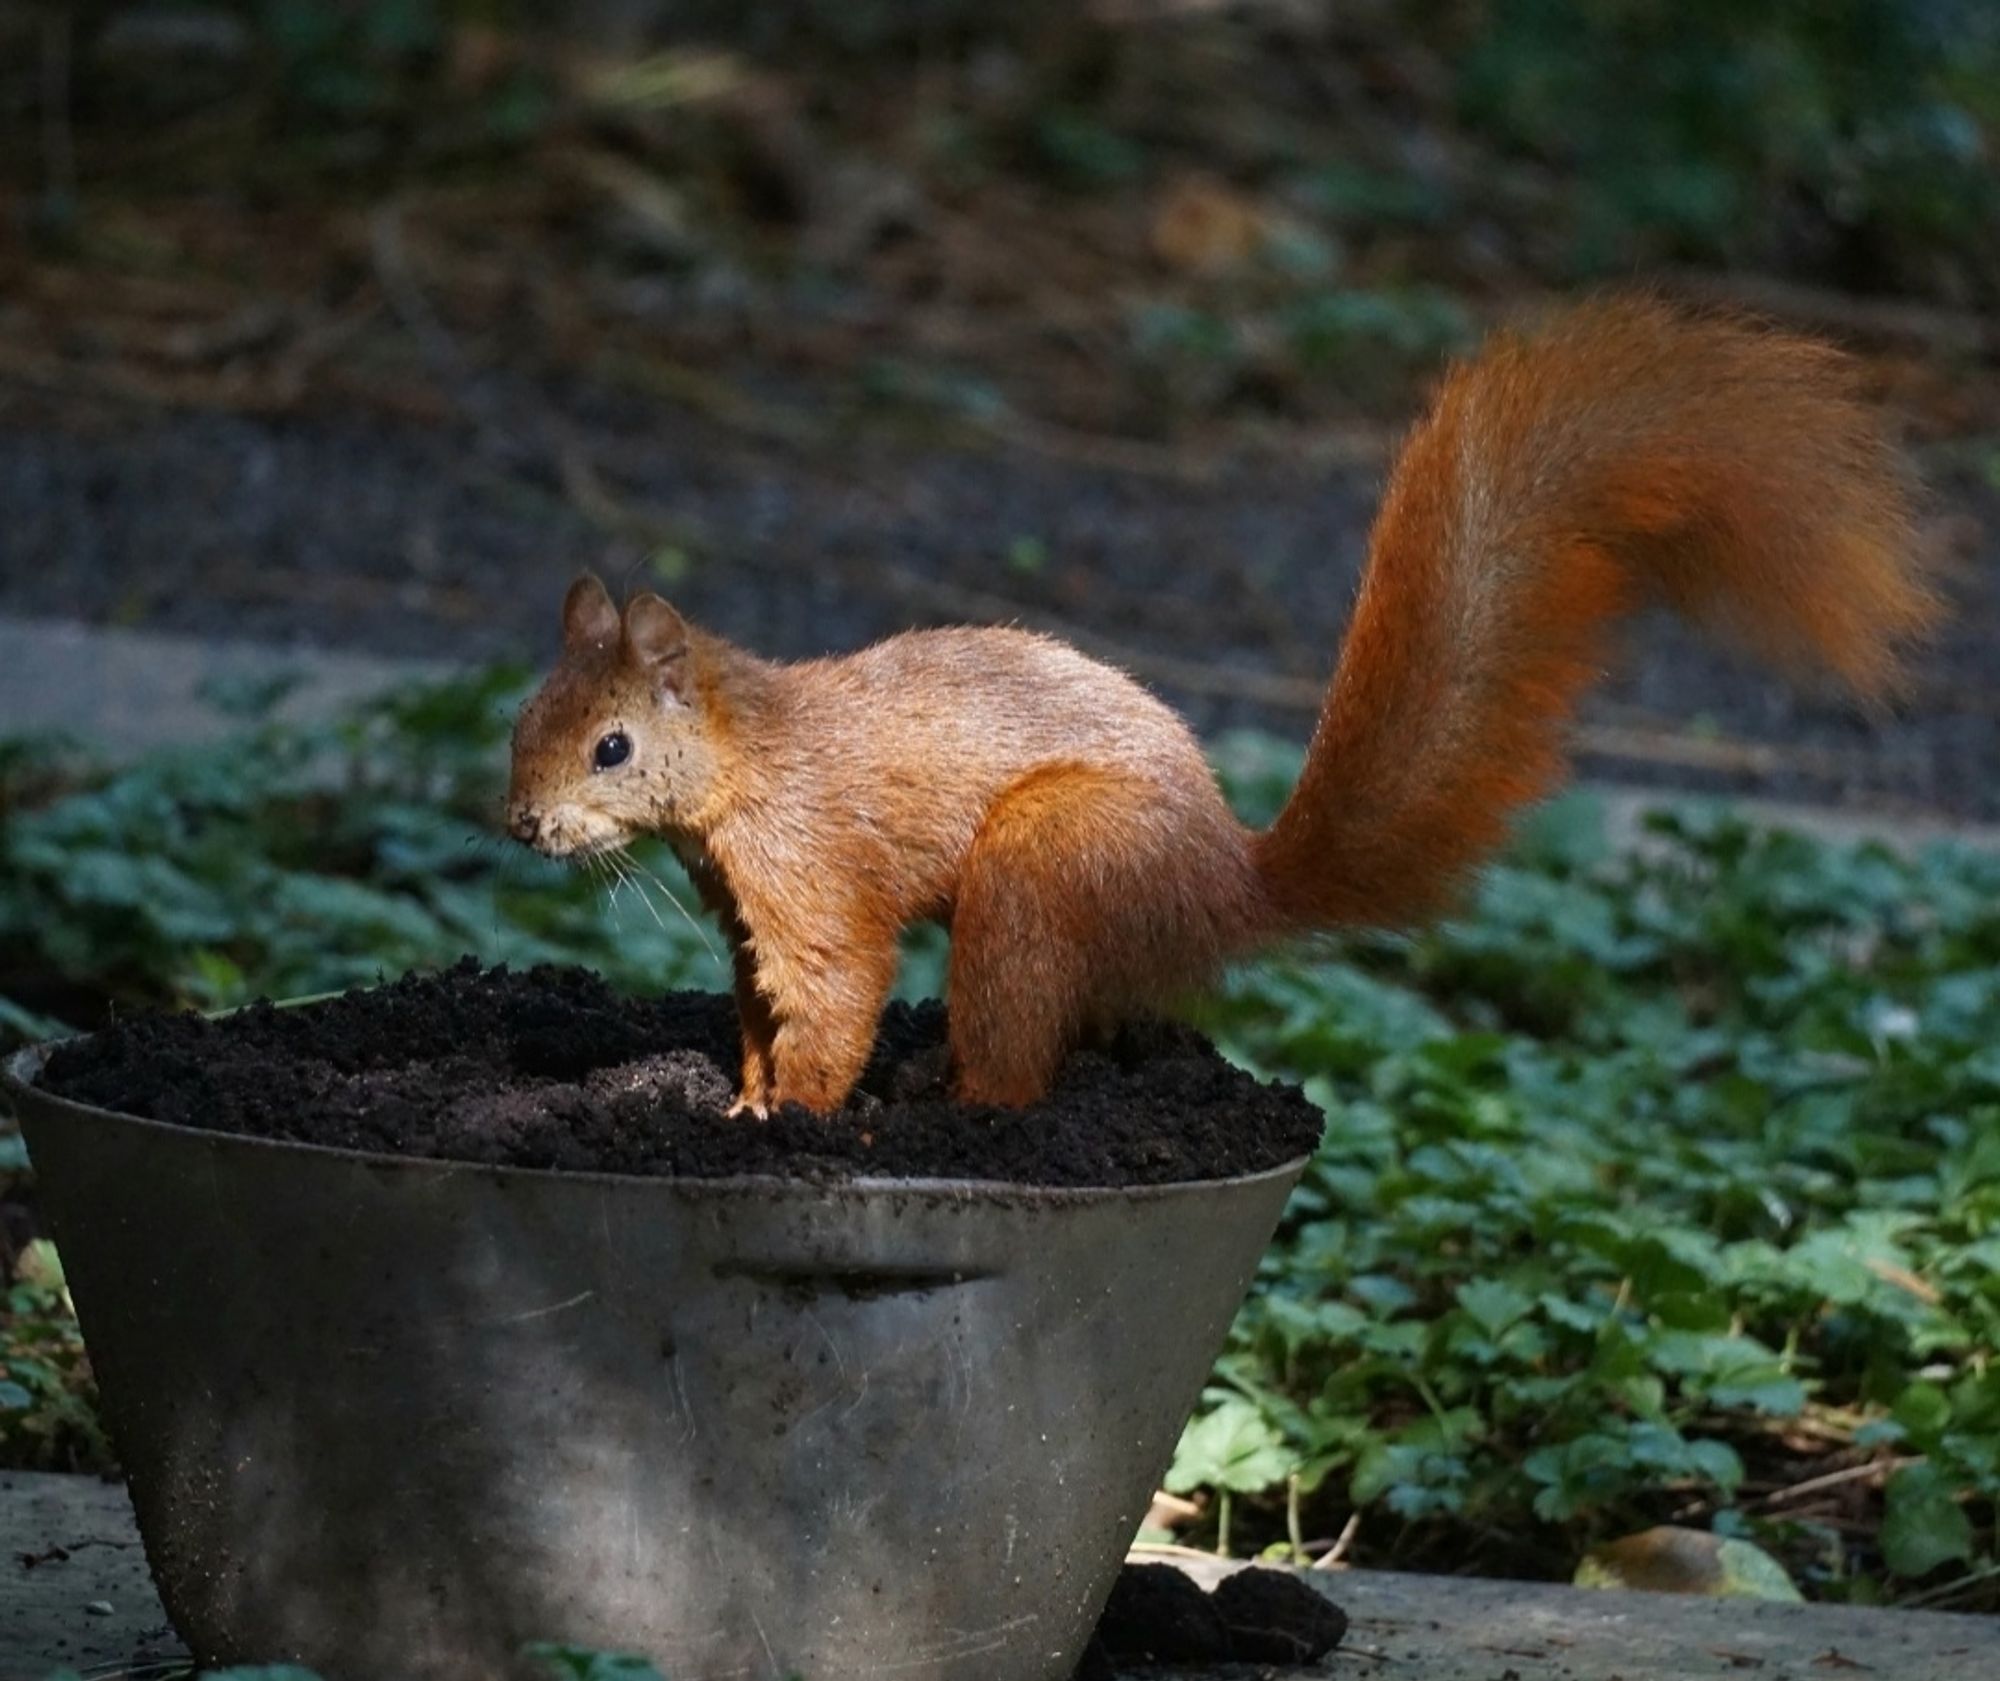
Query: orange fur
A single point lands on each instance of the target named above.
(1063, 822)
(1631, 454)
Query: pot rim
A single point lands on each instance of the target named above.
(20, 1088)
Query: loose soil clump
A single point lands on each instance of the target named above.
(550, 1068)
(1158, 1616)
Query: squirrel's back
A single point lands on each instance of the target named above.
(913, 740)
(965, 710)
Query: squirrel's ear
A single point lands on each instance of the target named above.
(656, 639)
(590, 619)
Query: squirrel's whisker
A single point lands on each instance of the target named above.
(673, 899)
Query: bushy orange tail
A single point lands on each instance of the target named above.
(1629, 453)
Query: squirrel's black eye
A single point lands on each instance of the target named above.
(612, 750)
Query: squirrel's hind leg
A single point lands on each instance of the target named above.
(1084, 893)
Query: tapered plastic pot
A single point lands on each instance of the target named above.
(396, 1419)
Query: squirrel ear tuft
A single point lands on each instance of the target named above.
(656, 639)
(590, 618)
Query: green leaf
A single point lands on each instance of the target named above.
(1924, 1526)
(1233, 1447)
(1717, 1462)
(577, 1663)
(1415, 1480)
(1922, 1411)
(1493, 1304)
(1565, 833)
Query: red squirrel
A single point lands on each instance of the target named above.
(1065, 824)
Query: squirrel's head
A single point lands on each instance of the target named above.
(616, 743)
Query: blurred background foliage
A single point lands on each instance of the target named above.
(1850, 140)
(1116, 214)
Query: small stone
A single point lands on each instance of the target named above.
(1672, 1560)
(1204, 226)
(99, 1608)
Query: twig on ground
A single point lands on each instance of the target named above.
(1946, 1592)
(1835, 1479)
(1334, 1556)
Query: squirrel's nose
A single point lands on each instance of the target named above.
(525, 825)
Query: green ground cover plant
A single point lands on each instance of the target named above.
(1661, 1186)
(1652, 1188)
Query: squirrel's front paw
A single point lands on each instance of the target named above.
(748, 1105)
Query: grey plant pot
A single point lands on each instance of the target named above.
(395, 1418)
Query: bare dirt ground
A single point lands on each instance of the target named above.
(1224, 580)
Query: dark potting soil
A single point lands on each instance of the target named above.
(550, 1068)
(1159, 1616)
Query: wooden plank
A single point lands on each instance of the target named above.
(85, 1603)
(1433, 1628)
